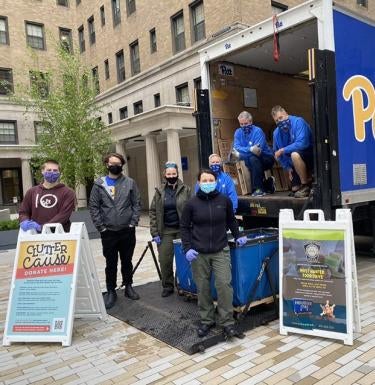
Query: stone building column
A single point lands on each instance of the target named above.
(27, 180)
(121, 149)
(152, 165)
(173, 149)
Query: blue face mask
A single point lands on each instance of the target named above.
(247, 128)
(284, 125)
(51, 176)
(208, 187)
(215, 168)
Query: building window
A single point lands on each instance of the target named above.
(157, 100)
(8, 132)
(116, 12)
(6, 81)
(66, 39)
(182, 95)
(91, 25)
(138, 107)
(35, 35)
(81, 39)
(278, 7)
(106, 69)
(134, 58)
(95, 79)
(120, 65)
(178, 32)
(130, 6)
(38, 131)
(110, 118)
(39, 83)
(362, 3)
(123, 113)
(197, 20)
(153, 45)
(64, 3)
(4, 32)
(102, 15)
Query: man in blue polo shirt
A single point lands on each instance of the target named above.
(250, 142)
(293, 147)
(224, 183)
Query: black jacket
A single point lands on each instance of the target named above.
(205, 220)
(116, 213)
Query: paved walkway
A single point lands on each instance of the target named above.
(112, 352)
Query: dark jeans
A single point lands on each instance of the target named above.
(257, 165)
(114, 243)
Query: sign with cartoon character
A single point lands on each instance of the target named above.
(316, 267)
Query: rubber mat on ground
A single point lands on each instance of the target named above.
(174, 319)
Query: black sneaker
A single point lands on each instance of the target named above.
(167, 291)
(110, 299)
(230, 331)
(131, 293)
(203, 329)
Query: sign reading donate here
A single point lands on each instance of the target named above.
(42, 288)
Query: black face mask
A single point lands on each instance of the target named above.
(172, 180)
(115, 169)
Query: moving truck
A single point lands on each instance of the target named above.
(326, 74)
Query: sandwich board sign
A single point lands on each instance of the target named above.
(318, 276)
(54, 280)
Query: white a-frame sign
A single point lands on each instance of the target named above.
(318, 276)
(54, 280)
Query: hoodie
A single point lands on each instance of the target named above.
(53, 205)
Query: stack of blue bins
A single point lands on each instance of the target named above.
(246, 265)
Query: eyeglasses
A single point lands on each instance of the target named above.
(170, 164)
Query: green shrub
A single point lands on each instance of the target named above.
(11, 224)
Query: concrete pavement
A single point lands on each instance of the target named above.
(112, 352)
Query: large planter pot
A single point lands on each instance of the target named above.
(8, 239)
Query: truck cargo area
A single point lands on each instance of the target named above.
(249, 79)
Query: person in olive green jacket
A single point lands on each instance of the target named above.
(165, 213)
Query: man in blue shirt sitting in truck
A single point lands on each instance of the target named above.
(292, 144)
(224, 183)
(250, 142)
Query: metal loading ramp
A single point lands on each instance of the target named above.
(174, 319)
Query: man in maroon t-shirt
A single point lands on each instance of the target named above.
(49, 202)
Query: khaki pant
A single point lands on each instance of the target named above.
(219, 264)
(166, 254)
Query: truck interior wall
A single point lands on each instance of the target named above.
(227, 94)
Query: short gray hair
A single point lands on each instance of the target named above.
(214, 156)
(276, 109)
(245, 115)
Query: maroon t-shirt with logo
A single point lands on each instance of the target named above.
(54, 205)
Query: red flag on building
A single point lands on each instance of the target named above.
(276, 43)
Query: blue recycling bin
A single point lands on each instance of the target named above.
(246, 265)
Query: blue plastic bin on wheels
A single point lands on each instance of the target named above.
(246, 265)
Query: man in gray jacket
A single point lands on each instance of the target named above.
(114, 208)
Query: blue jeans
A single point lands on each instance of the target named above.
(257, 165)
